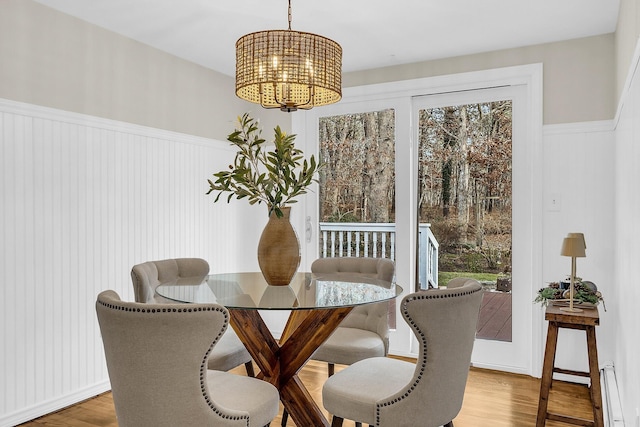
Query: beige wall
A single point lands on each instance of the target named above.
(52, 59)
(627, 32)
(578, 75)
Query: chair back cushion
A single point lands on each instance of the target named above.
(444, 322)
(371, 317)
(146, 277)
(457, 282)
(381, 268)
(157, 361)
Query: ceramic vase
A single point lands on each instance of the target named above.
(279, 250)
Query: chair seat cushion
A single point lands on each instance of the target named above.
(244, 394)
(353, 392)
(349, 345)
(228, 353)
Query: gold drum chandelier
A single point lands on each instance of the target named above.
(288, 69)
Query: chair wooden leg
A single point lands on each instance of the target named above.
(285, 417)
(331, 368)
(358, 424)
(336, 421)
(249, 367)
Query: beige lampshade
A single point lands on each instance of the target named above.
(573, 247)
(580, 236)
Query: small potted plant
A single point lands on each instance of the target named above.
(276, 177)
(585, 292)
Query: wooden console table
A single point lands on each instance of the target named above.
(586, 320)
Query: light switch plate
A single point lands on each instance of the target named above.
(554, 202)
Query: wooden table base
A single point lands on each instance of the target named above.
(587, 321)
(279, 362)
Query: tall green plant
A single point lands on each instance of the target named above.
(275, 177)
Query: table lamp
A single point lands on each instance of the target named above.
(573, 246)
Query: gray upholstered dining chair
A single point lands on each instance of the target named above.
(157, 362)
(386, 392)
(457, 282)
(229, 352)
(364, 332)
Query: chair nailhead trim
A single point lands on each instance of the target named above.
(203, 364)
(456, 292)
(203, 379)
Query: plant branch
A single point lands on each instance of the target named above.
(275, 177)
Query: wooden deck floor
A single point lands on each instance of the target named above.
(494, 322)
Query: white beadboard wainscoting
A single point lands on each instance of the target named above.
(83, 200)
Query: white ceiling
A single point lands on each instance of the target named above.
(373, 33)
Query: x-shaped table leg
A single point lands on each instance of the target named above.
(279, 362)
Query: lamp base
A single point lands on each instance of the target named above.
(571, 309)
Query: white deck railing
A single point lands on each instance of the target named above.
(379, 241)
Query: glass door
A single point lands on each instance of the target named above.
(416, 253)
(354, 211)
(357, 187)
(472, 189)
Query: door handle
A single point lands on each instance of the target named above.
(308, 230)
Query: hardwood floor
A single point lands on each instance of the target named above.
(492, 399)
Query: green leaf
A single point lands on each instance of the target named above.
(275, 176)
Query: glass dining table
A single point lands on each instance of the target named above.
(317, 304)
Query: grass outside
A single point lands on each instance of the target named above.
(484, 278)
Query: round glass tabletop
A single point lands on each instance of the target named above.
(306, 291)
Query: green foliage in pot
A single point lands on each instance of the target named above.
(274, 177)
(582, 292)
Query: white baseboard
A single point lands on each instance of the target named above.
(44, 408)
(611, 404)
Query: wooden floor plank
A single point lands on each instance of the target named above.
(490, 303)
(494, 321)
(492, 399)
(505, 332)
